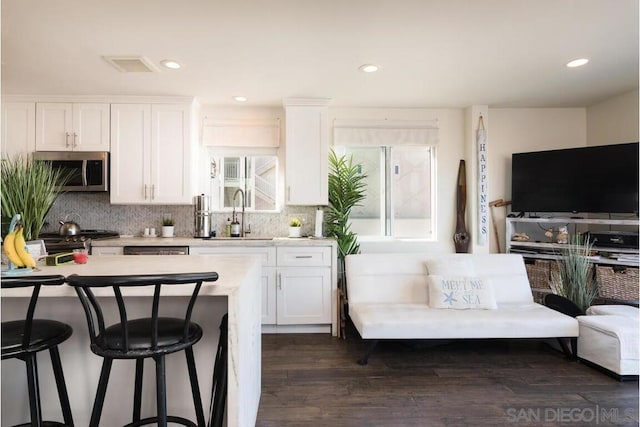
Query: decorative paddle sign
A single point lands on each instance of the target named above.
(461, 237)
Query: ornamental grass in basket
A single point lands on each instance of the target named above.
(574, 278)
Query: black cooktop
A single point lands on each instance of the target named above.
(84, 235)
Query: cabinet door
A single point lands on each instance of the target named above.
(130, 153)
(18, 128)
(304, 296)
(54, 126)
(90, 127)
(306, 155)
(171, 154)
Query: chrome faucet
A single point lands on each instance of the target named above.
(239, 190)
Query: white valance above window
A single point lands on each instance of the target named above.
(385, 132)
(241, 133)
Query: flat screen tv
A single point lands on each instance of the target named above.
(601, 179)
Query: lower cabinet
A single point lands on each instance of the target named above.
(304, 295)
(296, 284)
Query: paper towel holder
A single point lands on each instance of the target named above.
(319, 221)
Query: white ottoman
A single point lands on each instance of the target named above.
(610, 341)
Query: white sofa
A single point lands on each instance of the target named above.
(389, 299)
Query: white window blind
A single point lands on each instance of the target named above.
(385, 132)
(241, 133)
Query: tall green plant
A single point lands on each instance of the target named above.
(574, 279)
(29, 188)
(347, 188)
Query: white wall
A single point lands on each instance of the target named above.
(614, 120)
(515, 130)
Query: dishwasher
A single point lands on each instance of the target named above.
(155, 250)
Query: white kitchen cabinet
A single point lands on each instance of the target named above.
(297, 285)
(18, 128)
(304, 285)
(65, 126)
(307, 150)
(304, 296)
(106, 250)
(151, 154)
(268, 275)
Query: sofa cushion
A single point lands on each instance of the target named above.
(419, 321)
(381, 278)
(450, 266)
(458, 292)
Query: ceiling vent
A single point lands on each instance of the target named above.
(131, 64)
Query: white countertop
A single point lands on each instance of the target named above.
(213, 242)
(231, 272)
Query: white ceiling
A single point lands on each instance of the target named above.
(432, 53)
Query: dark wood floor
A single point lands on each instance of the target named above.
(313, 380)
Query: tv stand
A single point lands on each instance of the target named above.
(540, 253)
(541, 247)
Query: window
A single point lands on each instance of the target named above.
(256, 176)
(400, 191)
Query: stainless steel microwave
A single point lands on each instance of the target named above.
(89, 169)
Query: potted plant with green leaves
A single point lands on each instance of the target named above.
(295, 227)
(347, 188)
(168, 226)
(29, 188)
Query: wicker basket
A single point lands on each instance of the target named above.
(619, 283)
(539, 274)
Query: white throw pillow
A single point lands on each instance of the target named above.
(450, 266)
(460, 292)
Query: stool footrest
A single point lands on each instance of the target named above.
(170, 419)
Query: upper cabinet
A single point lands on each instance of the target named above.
(307, 150)
(63, 126)
(151, 154)
(18, 128)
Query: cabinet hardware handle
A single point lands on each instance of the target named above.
(304, 256)
(288, 193)
(145, 191)
(280, 281)
(153, 191)
(66, 139)
(75, 137)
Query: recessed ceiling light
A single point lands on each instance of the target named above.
(170, 63)
(369, 68)
(240, 98)
(577, 62)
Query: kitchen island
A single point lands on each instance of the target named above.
(234, 293)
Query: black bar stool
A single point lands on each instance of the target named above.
(150, 337)
(23, 339)
(219, 387)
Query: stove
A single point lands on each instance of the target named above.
(56, 244)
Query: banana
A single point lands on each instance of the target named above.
(10, 249)
(21, 249)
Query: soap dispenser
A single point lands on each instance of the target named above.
(235, 227)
